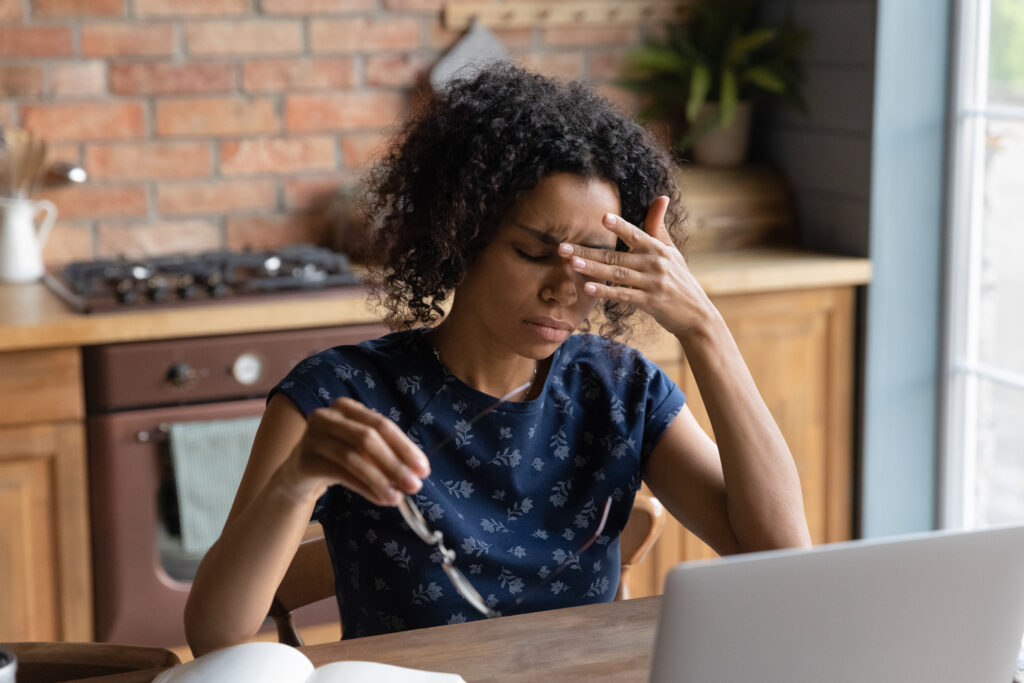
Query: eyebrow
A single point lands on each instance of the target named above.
(548, 238)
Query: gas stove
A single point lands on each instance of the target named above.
(205, 277)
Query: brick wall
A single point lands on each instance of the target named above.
(207, 123)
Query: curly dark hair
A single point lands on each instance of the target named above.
(436, 198)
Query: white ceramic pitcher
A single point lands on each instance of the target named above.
(21, 240)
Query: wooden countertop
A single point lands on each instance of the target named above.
(32, 317)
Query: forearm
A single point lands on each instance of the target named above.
(237, 578)
(763, 497)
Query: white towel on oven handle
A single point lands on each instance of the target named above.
(208, 459)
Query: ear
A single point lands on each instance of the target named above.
(654, 223)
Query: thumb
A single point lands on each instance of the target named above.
(654, 222)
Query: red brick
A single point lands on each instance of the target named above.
(20, 81)
(415, 5)
(443, 38)
(215, 197)
(244, 37)
(277, 155)
(85, 121)
(77, 8)
(69, 241)
(161, 78)
(149, 160)
(190, 8)
(77, 79)
(70, 152)
(590, 35)
(624, 99)
(317, 6)
(358, 151)
(397, 70)
(567, 65)
(342, 111)
(121, 40)
(364, 35)
(93, 201)
(149, 239)
(35, 41)
(216, 116)
(268, 232)
(299, 74)
(314, 192)
(606, 64)
(10, 10)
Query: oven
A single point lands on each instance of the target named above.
(140, 395)
(135, 394)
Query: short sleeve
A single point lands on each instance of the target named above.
(663, 403)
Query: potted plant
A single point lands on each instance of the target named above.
(708, 72)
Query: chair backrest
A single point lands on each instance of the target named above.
(310, 576)
(43, 662)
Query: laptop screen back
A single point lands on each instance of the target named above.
(937, 607)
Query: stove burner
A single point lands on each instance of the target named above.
(90, 286)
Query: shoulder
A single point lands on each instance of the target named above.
(595, 353)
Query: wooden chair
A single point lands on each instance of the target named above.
(310, 576)
(49, 662)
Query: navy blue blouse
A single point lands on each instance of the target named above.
(516, 493)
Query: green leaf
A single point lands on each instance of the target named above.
(749, 42)
(700, 84)
(657, 60)
(765, 79)
(729, 97)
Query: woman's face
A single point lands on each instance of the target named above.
(523, 295)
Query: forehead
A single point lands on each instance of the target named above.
(567, 207)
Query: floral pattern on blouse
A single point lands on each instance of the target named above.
(516, 493)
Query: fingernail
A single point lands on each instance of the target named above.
(423, 465)
(393, 496)
(564, 249)
(577, 262)
(590, 288)
(609, 219)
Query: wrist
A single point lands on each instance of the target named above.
(298, 486)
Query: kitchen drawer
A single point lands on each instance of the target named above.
(40, 386)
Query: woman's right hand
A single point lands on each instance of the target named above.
(365, 451)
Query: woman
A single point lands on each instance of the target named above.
(529, 204)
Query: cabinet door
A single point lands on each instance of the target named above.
(799, 348)
(45, 565)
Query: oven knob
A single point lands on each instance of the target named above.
(247, 368)
(181, 374)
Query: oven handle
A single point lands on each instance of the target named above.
(158, 434)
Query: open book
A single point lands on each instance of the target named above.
(277, 663)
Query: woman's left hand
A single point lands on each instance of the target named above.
(652, 275)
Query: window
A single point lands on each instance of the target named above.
(984, 409)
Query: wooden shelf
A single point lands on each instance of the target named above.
(458, 15)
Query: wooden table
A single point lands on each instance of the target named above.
(606, 642)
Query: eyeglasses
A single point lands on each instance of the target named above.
(414, 518)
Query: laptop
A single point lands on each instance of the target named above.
(937, 607)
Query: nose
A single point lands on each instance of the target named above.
(561, 286)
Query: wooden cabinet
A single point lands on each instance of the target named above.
(45, 565)
(798, 345)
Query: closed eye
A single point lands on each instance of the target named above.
(532, 258)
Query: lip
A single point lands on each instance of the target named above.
(550, 329)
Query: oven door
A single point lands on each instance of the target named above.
(141, 582)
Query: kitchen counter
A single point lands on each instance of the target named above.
(31, 317)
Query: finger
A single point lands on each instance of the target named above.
(654, 222)
(349, 466)
(624, 295)
(619, 267)
(397, 440)
(633, 237)
(353, 444)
